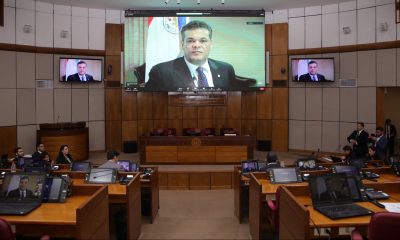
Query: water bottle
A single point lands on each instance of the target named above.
(13, 167)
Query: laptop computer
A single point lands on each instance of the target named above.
(101, 175)
(129, 166)
(331, 196)
(285, 175)
(21, 193)
(249, 166)
(336, 159)
(24, 162)
(81, 166)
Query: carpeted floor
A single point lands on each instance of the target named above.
(196, 214)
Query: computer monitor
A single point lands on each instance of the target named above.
(81, 166)
(249, 166)
(55, 190)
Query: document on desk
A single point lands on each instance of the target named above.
(392, 207)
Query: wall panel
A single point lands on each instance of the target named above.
(129, 105)
(8, 140)
(113, 135)
(280, 133)
(279, 40)
(113, 104)
(264, 104)
(249, 105)
(280, 103)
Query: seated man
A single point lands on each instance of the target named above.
(112, 157)
(272, 161)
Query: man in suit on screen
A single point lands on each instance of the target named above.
(194, 69)
(312, 75)
(81, 75)
(22, 191)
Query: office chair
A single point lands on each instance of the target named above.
(383, 226)
(5, 230)
(273, 212)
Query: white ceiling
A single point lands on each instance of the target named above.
(268, 5)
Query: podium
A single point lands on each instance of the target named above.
(75, 135)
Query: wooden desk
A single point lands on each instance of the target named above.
(83, 216)
(128, 195)
(149, 189)
(298, 219)
(195, 150)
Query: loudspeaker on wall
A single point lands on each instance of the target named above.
(130, 147)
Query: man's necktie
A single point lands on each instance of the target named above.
(314, 78)
(202, 78)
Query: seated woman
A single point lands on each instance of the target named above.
(63, 155)
(372, 155)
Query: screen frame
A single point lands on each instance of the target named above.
(312, 58)
(134, 87)
(97, 58)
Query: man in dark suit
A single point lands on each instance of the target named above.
(331, 193)
(390, 132)
(380, 143)
(81, 75)
(22, 191)
(312, 75)
(359, 139)
(195, 69)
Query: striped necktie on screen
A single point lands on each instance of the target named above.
(202, 78)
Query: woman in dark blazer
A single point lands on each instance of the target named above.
(63, 155)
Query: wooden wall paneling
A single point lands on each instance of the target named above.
(177, 124)
(221, 180)
(145, 105)
(160, 105)
(189, 123)
(249, 105)
(280, 103)
(268, 36)
(249, 127)
(8, 140)
(235, 124)
(160, 123)
(205, 112)
(114, 39)
(279, 68)
(220, 111)
(264, 129)
(174, 112)
(129, 131)
(113, 135)
(199, 180)
(113, 104)
(280, 135)
(129, 105)
(163, 180)
(178, 180)
(279, 38)
(234, 110)
(189, 113)
(380, 101)
(145, 127)
(113, 63)
(205, 123)
(264, 104)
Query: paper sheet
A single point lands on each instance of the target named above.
(392, 207)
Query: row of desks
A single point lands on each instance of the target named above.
(298, 219)
(87, 213)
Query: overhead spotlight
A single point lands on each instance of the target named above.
(346, 30)
(222, 1)
(198, 1)
(178, 1)
(166, 1)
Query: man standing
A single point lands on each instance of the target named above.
(195, 69)
(81, 75)
(312, 75)
(390, 132)
(380, 143)
(22, 191)
(359, 140)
